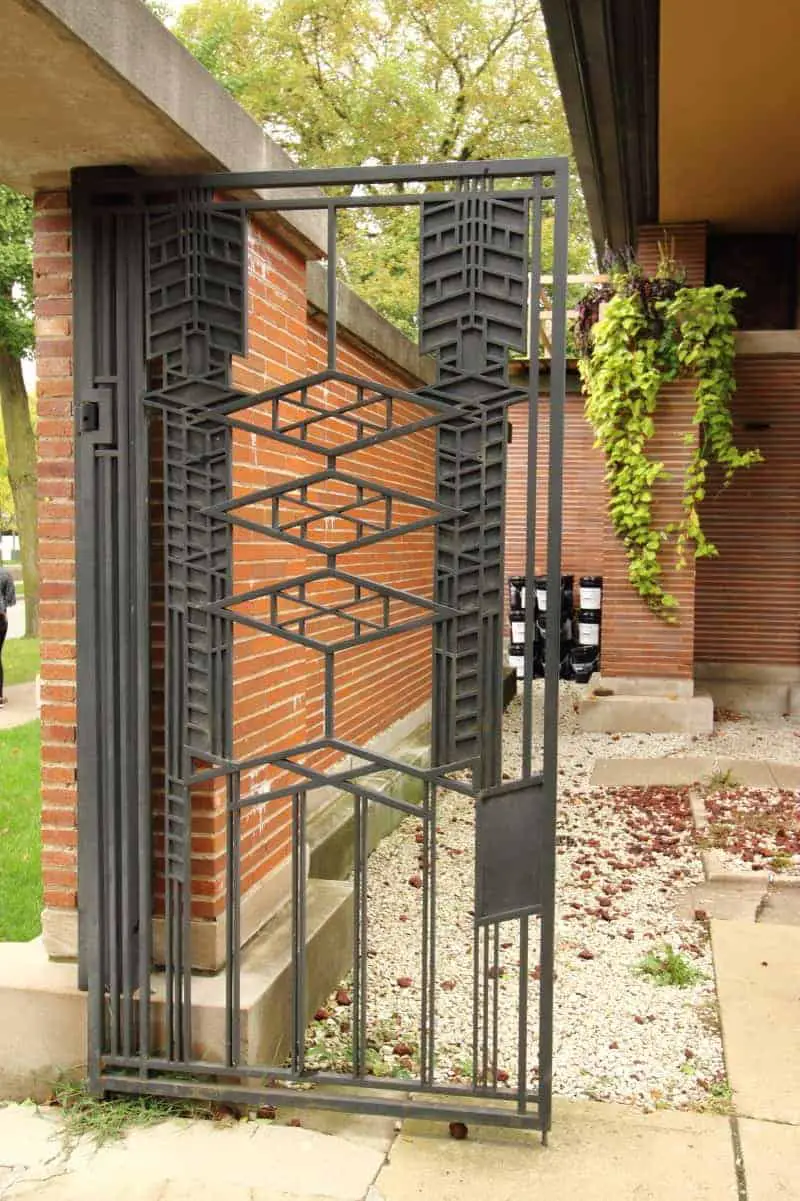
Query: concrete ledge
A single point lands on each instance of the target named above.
(760, 689)
(407, 739)
(365, 326)
(631, 714)
(665, 686)
(43, 1015)
(42, 1020)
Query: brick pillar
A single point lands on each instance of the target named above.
(52, 267)
(685, 242)
(637, 643)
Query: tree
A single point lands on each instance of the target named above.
(341, 82)
(8, 520)
(16, 340)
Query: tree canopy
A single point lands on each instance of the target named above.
(16, 273)
(343, 82)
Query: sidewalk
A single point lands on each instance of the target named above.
(21, 707)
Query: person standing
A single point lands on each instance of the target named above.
(8, 597)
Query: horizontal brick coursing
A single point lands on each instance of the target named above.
(748, 599)
(53, 314)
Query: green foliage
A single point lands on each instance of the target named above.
(653, 331)
(349, 82)
(20, 804)
(668, 967)
(16, 273)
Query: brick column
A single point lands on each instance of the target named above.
(637, 643)
(53, 327)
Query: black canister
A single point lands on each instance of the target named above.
(516, 593)
(591, 592)
(584, 663)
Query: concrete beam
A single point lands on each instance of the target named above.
(99, 82)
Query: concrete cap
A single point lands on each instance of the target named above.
(103, 82)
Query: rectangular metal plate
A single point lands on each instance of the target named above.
(510, 850)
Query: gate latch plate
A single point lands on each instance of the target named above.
(511, 848)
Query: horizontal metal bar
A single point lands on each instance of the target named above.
(333, 177)
(321, 1099)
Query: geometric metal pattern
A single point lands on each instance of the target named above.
(183, 320)
(473, 310)
(300, 512)
(366, 611)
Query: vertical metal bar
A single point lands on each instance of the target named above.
(485, 1048)
(496, 1004)
(330, 695)
(233, 921)
(431, 795)
(530, 501)
(358, 949)
(552, 666)
(298, 934)
(110, 790)
(522, 1028)
(331, 283)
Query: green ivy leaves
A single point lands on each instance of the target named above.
(635, 348)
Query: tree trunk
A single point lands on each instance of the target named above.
(22, 474)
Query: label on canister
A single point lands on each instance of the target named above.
(518, 663)
(589, 633)
(541, 598)
(591, 596)
(518, 630)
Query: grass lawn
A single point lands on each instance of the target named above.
(20, 806)
(20, 659)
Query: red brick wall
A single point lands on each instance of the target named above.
(748, 599)
(53, 296)
(686, 243)
(584, 492)
(634, 641)
(277, 685)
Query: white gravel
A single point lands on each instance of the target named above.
(624, 857)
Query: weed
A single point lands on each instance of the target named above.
(668, 967)
(107, 1119)
(718, 780)
(781, 862)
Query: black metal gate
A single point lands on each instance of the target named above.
(161, 289)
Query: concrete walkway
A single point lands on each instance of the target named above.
(21, 707)
(683, 770)
(596, 1153)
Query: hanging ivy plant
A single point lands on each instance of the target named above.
(635, 333)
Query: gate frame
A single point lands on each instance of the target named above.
(112, 549)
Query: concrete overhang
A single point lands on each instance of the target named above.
(103, 82)
(729, 105)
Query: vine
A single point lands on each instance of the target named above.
(635, 333)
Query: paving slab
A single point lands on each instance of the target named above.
(668, 772)
(781, 907)
(758, 984)
(771, 1154)
(728, 900)
(747, 773)
(21, 707)
(29, 1137)
(597, 1152)
(787, 775)
(208, 1160)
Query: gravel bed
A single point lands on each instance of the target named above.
(624, 858)
(755, 829)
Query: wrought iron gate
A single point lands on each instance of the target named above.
(161, 288)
